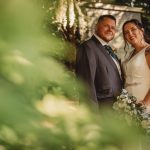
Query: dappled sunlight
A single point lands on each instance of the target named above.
(22, 60)
(65, 9)
(16, 78)
(56, 105)
(17, 57)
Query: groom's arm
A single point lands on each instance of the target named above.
(86, 68)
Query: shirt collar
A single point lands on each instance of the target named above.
(100, 40)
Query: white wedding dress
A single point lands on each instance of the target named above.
(137, 78)
(137, 75)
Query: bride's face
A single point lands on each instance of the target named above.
(133, 34)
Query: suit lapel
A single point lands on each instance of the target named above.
(105, 53)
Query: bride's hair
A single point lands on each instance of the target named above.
(139, 25)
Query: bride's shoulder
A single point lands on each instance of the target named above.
(147, 51)
(147, 55)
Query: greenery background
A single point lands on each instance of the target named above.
(39, 96)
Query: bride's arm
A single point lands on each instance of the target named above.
(146, 100)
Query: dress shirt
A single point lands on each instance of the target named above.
(105, 43)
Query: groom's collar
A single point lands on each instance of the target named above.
(100, 40)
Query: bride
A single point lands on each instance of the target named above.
(137, 66)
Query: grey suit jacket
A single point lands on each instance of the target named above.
(95, 66)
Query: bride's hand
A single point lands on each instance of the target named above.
(145, 103)
(142, 103)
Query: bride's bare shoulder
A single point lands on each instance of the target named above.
(147, 51)
(147, 54)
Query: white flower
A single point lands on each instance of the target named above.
(133, 105)
(124, 91)
(121, 105)
(135, 112)
(129, 101)
(127, 104)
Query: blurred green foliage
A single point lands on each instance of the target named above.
(39, 107)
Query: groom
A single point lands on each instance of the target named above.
(98, 66)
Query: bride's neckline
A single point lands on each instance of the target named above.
(134, 53)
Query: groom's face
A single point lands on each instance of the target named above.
(106, 29)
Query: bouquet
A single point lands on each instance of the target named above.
(127, 106)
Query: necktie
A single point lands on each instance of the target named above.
(111, 52)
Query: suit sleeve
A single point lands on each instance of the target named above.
(86, 68)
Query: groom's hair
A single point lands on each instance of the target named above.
(102, 17)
